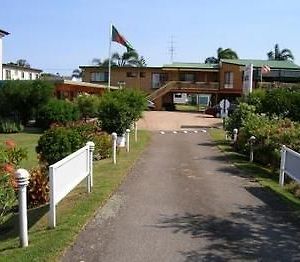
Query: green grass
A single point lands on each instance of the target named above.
(263, 175)
(28, 141)
(72, 213)
(189, 108)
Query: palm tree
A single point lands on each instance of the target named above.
(98, 62)
(126, 59)
(227, 53)
(277, 54)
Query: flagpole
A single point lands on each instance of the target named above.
(109, 57)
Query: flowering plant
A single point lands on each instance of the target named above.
(10, 157)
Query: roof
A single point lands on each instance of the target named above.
(3, 33)
(118, 67)
(79, 83)
(192, 65)
(24, 68)
(259, 63)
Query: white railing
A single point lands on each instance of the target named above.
(289, 164)
(67, 174)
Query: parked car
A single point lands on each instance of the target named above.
(150, 105)
(216, 110)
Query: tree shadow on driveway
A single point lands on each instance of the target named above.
(255, 233)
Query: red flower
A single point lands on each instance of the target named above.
(9, 168)
(10, 144)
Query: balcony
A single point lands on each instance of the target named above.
(187, 86)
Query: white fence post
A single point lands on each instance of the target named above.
(251, 142)
(135, 132)
(282, 164)
(114, 147)
(91, 146)
(22, 178)
(52, 211)
(127, 140)
(235, 135)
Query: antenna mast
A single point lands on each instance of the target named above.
(172, 49)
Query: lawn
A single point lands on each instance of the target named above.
(263, 175)
(72, 213)
(189, 108)
(26, 140)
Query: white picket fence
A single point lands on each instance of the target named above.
(67, 173)
(289, 164)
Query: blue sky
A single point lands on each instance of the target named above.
(60, 35)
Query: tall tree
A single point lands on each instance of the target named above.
(227, 53)
(23, 63)
(126, 59)
(77, 73)
(277, 54)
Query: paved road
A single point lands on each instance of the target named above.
(184, 202)
(164, 120)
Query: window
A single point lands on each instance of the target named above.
(228, 80)
(142, 74)
(187, 77)
(30, 76)
(22, 75)
(7, 74)
(99, 76)
(178, 95)
(131, 74)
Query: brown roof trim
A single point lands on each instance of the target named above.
(120, 67)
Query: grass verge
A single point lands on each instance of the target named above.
(264, 176)
(25, 140)
(72, 213)
(189, 108)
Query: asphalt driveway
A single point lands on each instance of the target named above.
(184, 202)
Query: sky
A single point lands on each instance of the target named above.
(59, 35)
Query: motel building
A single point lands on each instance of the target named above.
(176, 82)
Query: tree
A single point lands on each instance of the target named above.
(277, 54)
(126, 59)
(227, 53)
(77, 73)
(23, 63)
(130, 58)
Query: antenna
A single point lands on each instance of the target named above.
(172, 49)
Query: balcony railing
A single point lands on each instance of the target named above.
(197, 85)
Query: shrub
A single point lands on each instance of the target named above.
(10, 157)
(57, 111)
(256, 98)
(38, 188)
(10, 126)
(57, 143)
(239, 116)
(103, 146)
(88, 105)
(21, 99)
(119, 109)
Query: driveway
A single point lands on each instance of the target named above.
(164, 120)
(184, 202)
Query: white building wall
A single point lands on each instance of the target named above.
(1, 58)
(19, 74)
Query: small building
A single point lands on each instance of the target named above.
(12, 71)
(2, 34)
(67, 89)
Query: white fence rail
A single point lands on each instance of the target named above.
(67, 173)
(290, 164)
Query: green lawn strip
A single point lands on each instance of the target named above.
(25, 140)
(73, 212)
(263, 175)
(188, 108)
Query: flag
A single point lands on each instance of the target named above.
(265, 69)
(116, 37)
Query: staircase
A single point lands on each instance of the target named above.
(162, 90)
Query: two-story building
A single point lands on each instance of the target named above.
(11, 71)
(216, 81)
